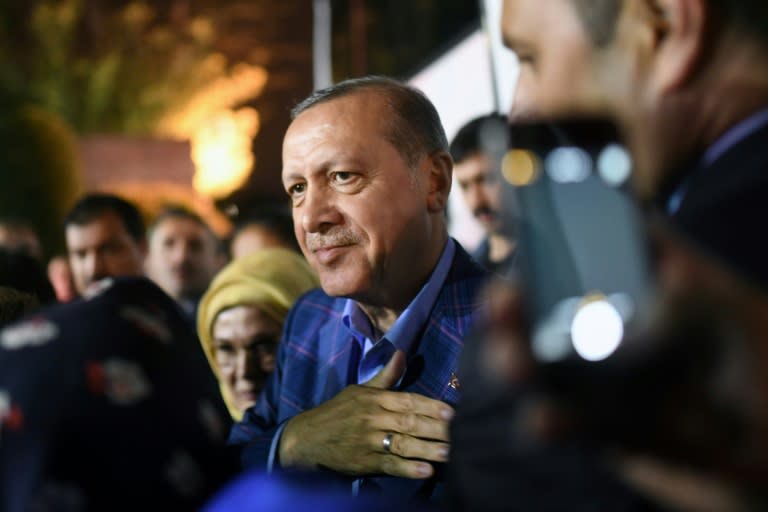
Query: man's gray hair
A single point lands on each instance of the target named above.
(415, 128)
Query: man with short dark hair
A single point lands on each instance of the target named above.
(477, 150)
(105, 237)
(184, 255)
(365, 378)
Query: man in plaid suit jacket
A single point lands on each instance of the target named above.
(365, 376)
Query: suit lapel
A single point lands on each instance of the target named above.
(338, 353)
(432, 368)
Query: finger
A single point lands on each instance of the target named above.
(390, 374)
(405, 468)
(413, 403)
(413, 448)
(415, 425)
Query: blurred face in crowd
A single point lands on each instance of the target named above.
(253, 238)
(183, 257)
(637, 66)
(102, 248)
(22, 238)
(362, 214)
(480, 186)
(245, 342)
(561, 70)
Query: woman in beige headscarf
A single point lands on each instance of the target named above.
(240, 320)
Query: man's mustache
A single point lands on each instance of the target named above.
(485, 210)
(336, 238)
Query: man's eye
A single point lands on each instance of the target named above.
(525, 59)
(296, 189)
(342, 176)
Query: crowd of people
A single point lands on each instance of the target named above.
(354, 356)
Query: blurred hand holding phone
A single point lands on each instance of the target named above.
(639, 342)
(583, 255)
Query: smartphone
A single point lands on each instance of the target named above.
(582, 251)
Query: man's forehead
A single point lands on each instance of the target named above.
(336, 130)
(475, 163)
(93, 235)
(179, 225)
(525, 22)
(107, 221)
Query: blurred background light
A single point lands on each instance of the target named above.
(551, 336)
(597, 330)
(520, 167)
(614, 165)
(568, 165)
(221, 152)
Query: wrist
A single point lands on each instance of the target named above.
(289, 445)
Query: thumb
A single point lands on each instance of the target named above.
(391, 373)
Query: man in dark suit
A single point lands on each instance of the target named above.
(366, 373)
(107, 403)
(688, 82)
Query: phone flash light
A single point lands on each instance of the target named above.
(596, 330)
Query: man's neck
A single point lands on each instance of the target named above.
(384, 312)
(499, 247)
(382, 319)
(683, 125)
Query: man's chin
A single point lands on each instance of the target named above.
(339, 286)
(490, 223)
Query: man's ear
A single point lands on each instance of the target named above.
(439, 184)
(680, 28)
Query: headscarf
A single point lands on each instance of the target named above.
(270, 279)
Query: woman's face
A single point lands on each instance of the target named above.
(244, 345)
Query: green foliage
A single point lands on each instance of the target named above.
(39, 171)
(105, 69)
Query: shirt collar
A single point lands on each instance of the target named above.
(729, 139)
(413, 318)
(734, 135)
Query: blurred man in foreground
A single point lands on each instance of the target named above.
(107, 403)
(688, 82)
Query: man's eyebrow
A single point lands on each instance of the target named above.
(291, 176)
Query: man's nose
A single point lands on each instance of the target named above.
(524, 103)
(475, 196)
(97, 266)
(179, 253)
(318, 211)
